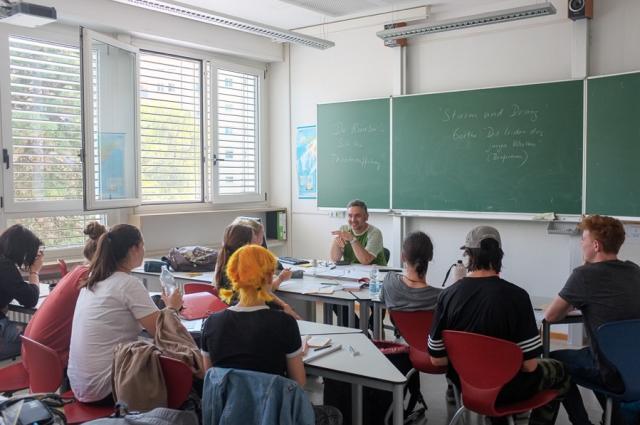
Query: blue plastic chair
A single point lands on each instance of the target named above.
(619, 342)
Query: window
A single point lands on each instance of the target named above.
(170, 128)
(237, 136)
(59, 231)
(45, 126)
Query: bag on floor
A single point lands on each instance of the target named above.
(158, 416)
(32, 409)
(376, 403)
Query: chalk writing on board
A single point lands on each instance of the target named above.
(364, 160)
(515, 111)
(356, 129)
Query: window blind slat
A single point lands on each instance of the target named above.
(170, 128)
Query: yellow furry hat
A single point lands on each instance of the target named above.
(249, 269)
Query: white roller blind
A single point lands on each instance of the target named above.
(170, 128)
(237, 133)
(45, 121)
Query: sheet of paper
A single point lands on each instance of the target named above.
(318, 341)
(193, 325)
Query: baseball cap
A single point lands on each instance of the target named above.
(480, 233)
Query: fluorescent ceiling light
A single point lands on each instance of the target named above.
(524, 12)
(27, 14)
(226, 21)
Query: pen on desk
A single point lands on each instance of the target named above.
(352, 351)
(321, 348)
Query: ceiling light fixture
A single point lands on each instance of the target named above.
(506, 15)
(226, 21)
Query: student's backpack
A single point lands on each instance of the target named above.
(192, 259)
(32, 409)
(158, 416)
(375, 403)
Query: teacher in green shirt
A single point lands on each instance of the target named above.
(359, 241)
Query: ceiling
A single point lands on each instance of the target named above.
(284, 14)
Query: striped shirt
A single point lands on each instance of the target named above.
(489, 306)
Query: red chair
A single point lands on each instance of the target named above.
(45, 376)
(179, 379)
(201, 305)
(484, 365)
(193, 287)
(414, 327)
(13, 378)
(62, 267)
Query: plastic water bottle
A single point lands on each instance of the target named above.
(167, 281)
(375, 285)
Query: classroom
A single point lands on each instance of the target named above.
(182, 186)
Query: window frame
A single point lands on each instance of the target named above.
(88, 157)
(261, 184)
(63, 37)
(203, 133)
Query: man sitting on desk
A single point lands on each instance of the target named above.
(359, 241)
(485, 304)
(605, 289)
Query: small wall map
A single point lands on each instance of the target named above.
(307, 160)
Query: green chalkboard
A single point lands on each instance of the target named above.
(613, 145)
(512, 149)
(353, 153)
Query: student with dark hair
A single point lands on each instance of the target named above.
(19, 248)
(410, 291)
(51, 325)
(606, 289)
(485, 304)
(235, 237)
(113, 307)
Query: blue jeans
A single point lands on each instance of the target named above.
(582, 364)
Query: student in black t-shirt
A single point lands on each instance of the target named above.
(250, 335)
(483, 303)
(605, 289)
(19, 248)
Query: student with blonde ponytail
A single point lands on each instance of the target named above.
(235, 237)
(113, 307)
(250, 335)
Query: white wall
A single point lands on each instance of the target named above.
(359, 66)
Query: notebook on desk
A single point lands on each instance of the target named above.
(292, 261)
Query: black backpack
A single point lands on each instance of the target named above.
(33, 409)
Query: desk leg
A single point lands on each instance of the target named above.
(546, 338)
(327, 314)
(378, 330)
(398, 404)
(352, 316)
(364, 316)
(356, 404)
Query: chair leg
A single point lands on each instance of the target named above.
(511, 421)
(458, 415)
(608, 410)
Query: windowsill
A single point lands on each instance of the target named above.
(155, 213)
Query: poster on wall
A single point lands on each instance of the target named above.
(307, 159)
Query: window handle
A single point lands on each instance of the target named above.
(5, 157)
(216, 159)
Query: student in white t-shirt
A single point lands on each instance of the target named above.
(113, 307)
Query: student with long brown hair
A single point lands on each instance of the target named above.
(113, 307)
(51, 325)
(235, 237)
